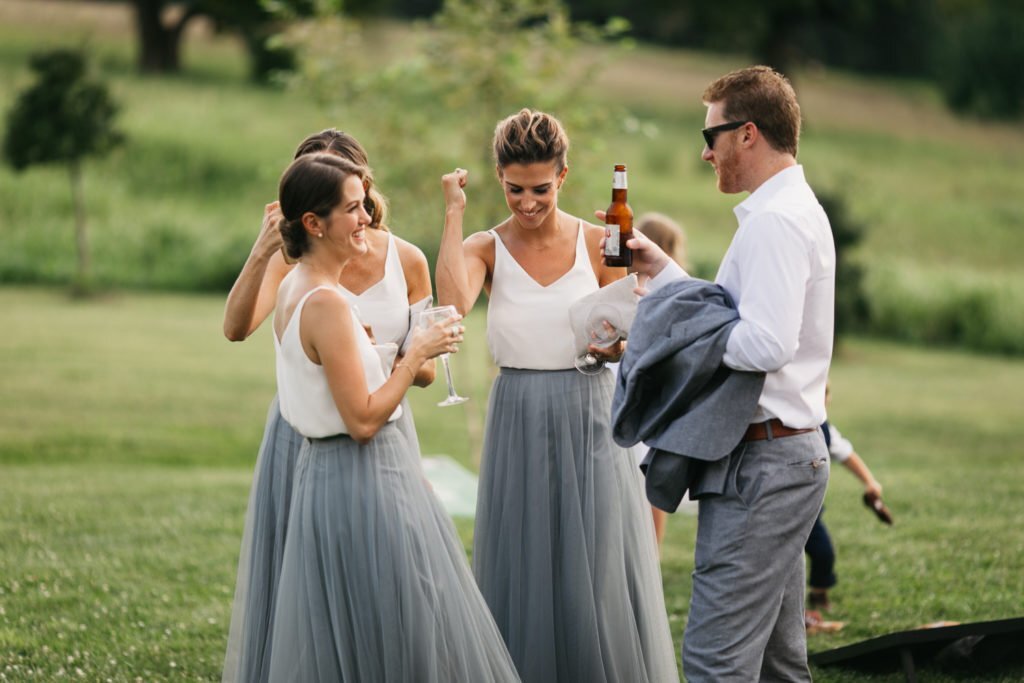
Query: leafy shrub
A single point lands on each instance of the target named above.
(851, 301)
(940, 307)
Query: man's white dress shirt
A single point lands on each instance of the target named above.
(780, 270)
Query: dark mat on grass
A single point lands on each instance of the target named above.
(983, 646)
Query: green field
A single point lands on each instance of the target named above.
(129, 426)
(129, 429)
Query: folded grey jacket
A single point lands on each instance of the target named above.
(674, 394)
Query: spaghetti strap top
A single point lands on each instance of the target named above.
(527, 323)
(384, 306)
(303, 393)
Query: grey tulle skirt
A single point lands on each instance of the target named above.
(564, 548)
(375, 585)
(259, 560)
(262, 550)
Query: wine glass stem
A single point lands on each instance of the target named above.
(448, 376)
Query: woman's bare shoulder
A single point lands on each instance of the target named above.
(591, 232)
(480, 244)
(410, 254)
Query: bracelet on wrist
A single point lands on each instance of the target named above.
(412, 375)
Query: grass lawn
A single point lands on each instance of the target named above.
(129, 428)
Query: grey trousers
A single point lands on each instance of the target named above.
(746, 619)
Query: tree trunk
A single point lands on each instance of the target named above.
(83, 276)
(158, 46)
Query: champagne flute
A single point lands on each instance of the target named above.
(431, 316)
(602, 328)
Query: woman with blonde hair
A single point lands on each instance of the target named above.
(564, 549)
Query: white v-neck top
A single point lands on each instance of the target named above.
(528, 324)
(384, 306)
(303, 393)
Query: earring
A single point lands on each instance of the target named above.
(319, 234)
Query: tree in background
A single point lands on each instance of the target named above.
(161, 24)
(852, 311)
(981, 71)
(969, 47)
(159, 37)
(483, 58)
(63, 118)
(895, 37)
(972, 49)
(881, 36)
(489, 58)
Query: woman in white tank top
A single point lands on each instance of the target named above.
(564, 547)
(374, 582)
(381, 284)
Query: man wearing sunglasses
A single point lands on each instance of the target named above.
(746, 612)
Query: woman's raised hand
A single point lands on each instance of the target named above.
(270, 239)
(453, 184)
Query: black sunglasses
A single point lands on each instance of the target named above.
(711, 133)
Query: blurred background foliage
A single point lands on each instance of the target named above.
(970, 48)
(924, 202)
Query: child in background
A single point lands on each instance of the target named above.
(671, 238)
(819, 549)
(666, 233)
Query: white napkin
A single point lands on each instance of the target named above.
(615, 303)
(414, 319)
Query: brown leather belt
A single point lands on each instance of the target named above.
(772, 429)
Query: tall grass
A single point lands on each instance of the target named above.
(952, 307)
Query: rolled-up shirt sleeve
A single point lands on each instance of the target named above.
(775, 269)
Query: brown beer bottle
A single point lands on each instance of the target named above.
(618, 223)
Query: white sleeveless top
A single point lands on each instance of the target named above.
(527, 324)
(385, 305)
(304, 396)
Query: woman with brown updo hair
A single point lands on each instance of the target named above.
(382, 283)
(564, 549)
(374, 581)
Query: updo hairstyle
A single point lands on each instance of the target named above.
(530, 137)
(312, 183)
(337, 142)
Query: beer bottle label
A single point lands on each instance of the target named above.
(611, 242)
